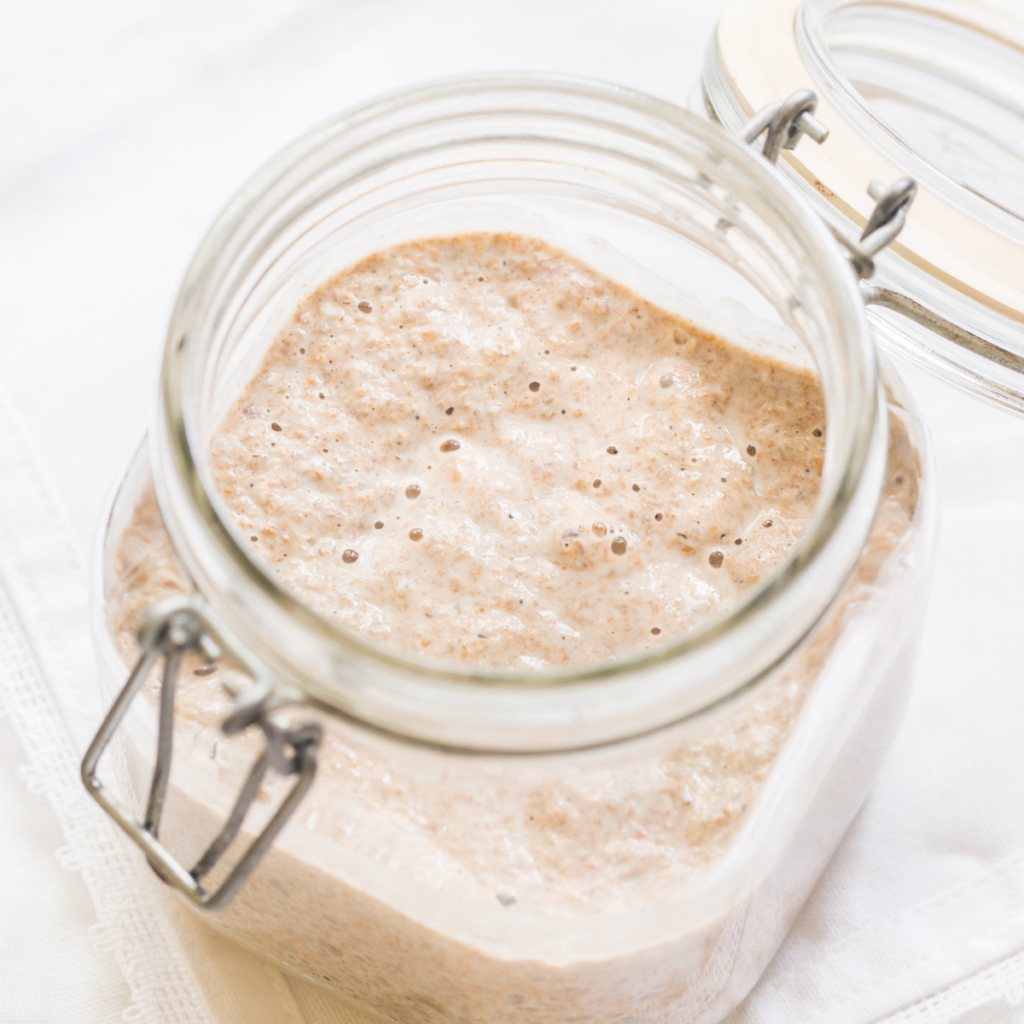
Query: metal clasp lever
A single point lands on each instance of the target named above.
(884, 224)
(786, 123)
(169, 630)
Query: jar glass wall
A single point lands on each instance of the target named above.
(630, 839)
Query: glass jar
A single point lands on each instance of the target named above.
(926, 88)
(630, 840)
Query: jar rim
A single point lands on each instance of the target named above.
(202, 533)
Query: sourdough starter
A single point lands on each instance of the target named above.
(476, 448)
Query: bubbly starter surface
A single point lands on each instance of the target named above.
(476, 448)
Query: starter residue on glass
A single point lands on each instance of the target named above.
(477, 448)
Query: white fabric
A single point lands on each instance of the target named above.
(126, 127)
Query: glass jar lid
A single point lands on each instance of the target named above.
(924, 88)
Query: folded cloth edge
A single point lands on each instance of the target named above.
(53, 688)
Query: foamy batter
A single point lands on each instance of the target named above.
(479, 449)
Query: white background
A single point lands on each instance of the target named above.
(124, 128)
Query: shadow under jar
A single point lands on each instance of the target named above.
(627, 840)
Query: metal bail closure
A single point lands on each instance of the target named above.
(786, 122)
(169, 630)
(884, 224)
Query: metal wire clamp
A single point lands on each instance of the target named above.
(169, 630)
(884, 224)
(786, 123)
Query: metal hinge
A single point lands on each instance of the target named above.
(169, 630)
(884, 224)
(786, 123)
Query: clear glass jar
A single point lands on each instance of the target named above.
(925, 88)
(627, 841)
